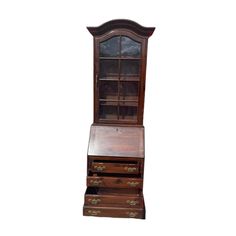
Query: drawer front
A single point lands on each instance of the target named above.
(114, 182)
(103, 167)
(123, 201)
(114, 212)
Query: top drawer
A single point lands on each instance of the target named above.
(111, 167)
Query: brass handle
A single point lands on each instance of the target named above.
(99, 168)
(93, 212)
(94, 201)
(132, 214)
(95, 182)
(133, 184)
(132, 202)
(130, 169)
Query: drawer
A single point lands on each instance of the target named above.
(114, 212)
(114, 182)
(106, 167)
(113, 197)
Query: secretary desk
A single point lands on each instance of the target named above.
(115, 157)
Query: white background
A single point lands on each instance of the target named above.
(46, 59)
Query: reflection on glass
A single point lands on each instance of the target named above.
(130, 47)
(110, 47)
(108, 90)
(108, 112)
(129, 91)
(130, 67)
(109, 68)
(128, 113)
(119, 78)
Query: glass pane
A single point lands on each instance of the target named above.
(109, 68)
(130, 67)
(128, 113)
(108, 112)
(108, 90)
(130, 47)
(110, 47)
(129, 91)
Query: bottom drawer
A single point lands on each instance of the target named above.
(138, 213)
(114, 197)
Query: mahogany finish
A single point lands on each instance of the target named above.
(114, 182)
(106, 197)
(115, 163)
(116, 141)
(115, 212)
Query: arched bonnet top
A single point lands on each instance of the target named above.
(121, 24)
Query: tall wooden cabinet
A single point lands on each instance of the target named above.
(115, 158)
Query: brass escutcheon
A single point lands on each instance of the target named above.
(94, 201)
(132, 202)
(93, 212)
(133, 184)
(132, 214)
(95, 182)
(130, 169)
(99, 168)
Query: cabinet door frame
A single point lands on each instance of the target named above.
(141, 90)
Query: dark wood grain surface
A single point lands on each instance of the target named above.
(110, 197)
(116, 141)
(114, 182)
(114, 212)
(101, 167)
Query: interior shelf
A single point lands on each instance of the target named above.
(128, 104)
(109, 117)
(122, 99)
(120, 58)
(122, 78)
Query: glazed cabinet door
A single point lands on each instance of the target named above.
(118, 78)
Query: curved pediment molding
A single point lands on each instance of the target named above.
(121, 24)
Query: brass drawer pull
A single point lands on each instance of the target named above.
(133, 184)
(94, 201)
(95, 182)
(132, 202)
(99, 168)
(132, 214)
(130, 169)
(93, 212)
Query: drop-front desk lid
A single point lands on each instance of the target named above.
(116, 141)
